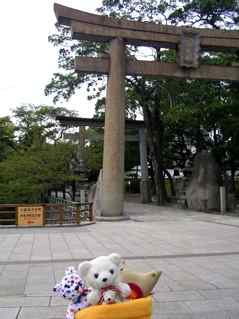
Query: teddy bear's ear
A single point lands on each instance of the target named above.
(84, 268)
(57, 289)
(70, 270)
(122, 264)
(115, 258)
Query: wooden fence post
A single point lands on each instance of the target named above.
(77, 215)
(44, 214)
(16, 215)
(61, 219)
(91, 212)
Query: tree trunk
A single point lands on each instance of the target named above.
(148, 97)
(233, 171)
(155, 133)
(151, 174)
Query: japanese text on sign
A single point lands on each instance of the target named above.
(30, 215)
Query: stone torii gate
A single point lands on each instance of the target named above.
(188, 42)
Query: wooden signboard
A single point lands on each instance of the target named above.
(30, 216)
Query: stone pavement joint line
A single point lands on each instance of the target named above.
(17, 316)
(22, 262)
(220, 223)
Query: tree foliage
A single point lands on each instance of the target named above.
(94, 151)
(29, 175)
(217, 14)
(37, 123)
(34, 160)
(66, 82)
(7, 142)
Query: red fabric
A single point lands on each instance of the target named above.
(136, 291)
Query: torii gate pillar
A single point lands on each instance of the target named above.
(114, 136)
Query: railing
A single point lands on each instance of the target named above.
(8, 214)
(72, 212)
(60, 212)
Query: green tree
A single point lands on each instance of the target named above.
(34, 160)
(37, 124)
(29, 175)
(94, 152)
(7, 137)
(94, 149)
(217, 14)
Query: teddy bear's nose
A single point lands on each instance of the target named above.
(104, 279)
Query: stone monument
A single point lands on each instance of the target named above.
(202, 193)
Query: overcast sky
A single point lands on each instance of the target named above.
(27, 60)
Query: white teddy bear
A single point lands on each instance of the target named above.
(102, 274)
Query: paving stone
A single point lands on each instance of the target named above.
(58, 301)
(173, 316)
(8, 313)
(174, 307)
(9, 287)
(178, 296)
(203, 315)
(41, 290)
(232, 315)
(220, 293)
(193, 284)
(212, 305)
(14, 301)
(42, 312)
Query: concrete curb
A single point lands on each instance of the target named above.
(112, 219)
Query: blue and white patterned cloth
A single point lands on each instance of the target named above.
(72, 287)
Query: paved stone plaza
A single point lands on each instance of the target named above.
(198, 254)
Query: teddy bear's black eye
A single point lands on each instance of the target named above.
(96, 276)
(112, 271)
